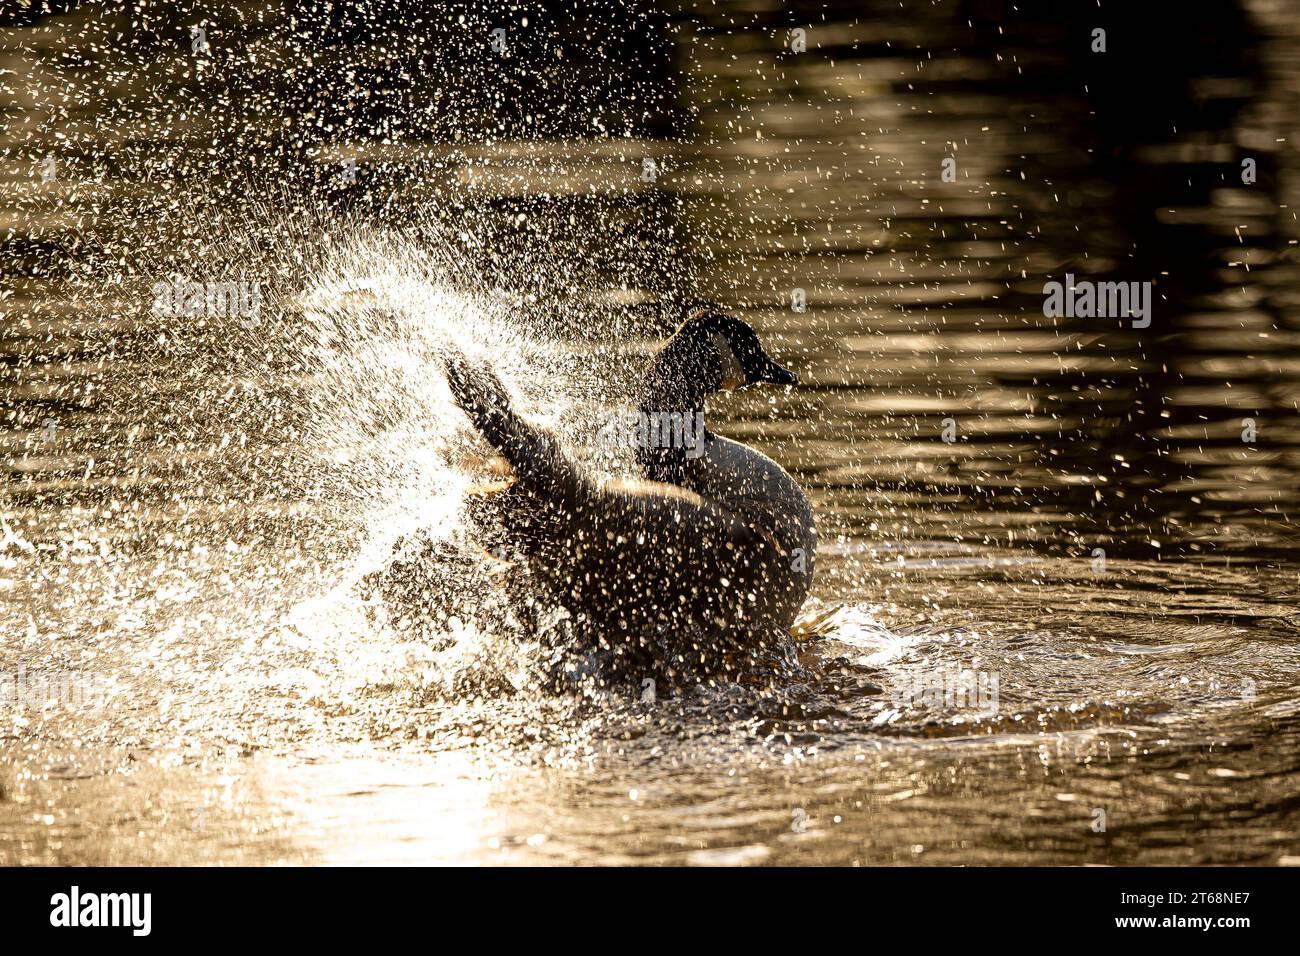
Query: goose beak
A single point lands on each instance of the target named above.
(776, 375)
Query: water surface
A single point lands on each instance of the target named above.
(190, 502)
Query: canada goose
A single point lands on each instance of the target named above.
(698, 566)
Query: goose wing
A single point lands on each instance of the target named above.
(547, 479)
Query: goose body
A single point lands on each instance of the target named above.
(699, 564)
(752, 485)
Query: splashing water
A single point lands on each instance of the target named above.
(388, 450)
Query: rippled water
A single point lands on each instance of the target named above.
(1098, 557)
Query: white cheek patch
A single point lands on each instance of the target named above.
(733, 376)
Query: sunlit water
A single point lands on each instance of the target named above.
(1067, 636)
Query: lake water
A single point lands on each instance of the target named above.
(1058, 587)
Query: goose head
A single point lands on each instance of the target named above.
(710, 352)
